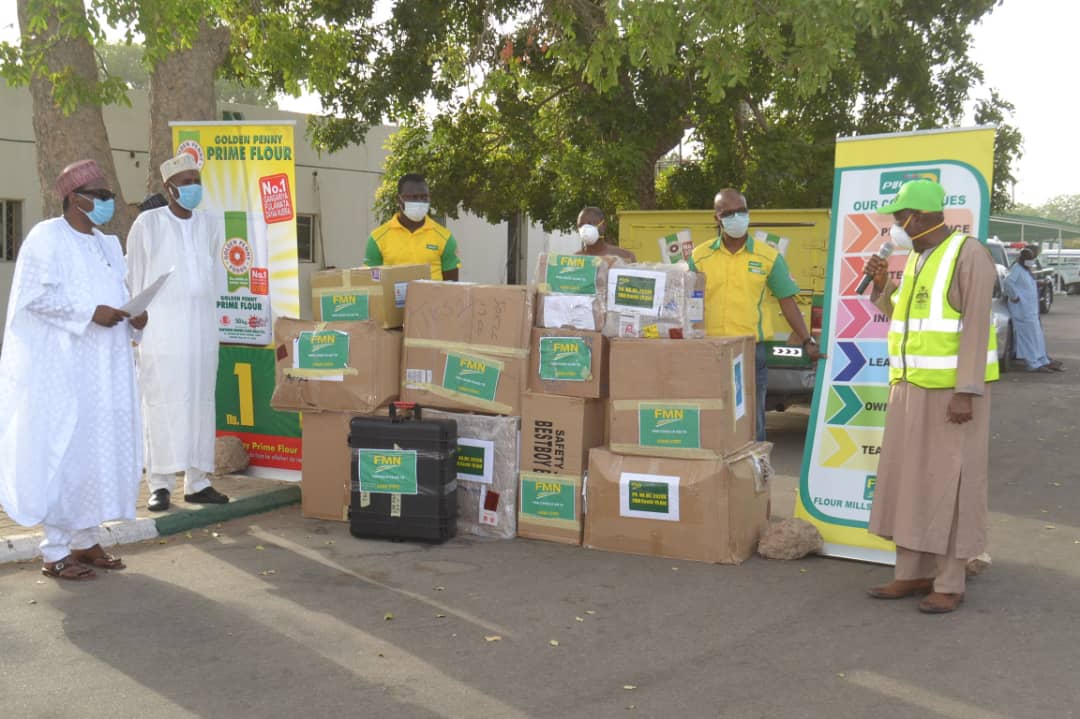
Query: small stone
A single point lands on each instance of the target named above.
(230, 457)
(790, 538)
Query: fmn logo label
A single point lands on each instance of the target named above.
(891, 181)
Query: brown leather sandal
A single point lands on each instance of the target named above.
(67, 569)
(96, 556)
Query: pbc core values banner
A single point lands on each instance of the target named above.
(248, 177)
(848, 416)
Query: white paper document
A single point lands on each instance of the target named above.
(138, 304)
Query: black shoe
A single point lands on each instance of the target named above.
(159, 500)
(207, 496)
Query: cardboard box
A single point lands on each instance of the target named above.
(364, 293)
(556, 436)
(572, 363)
(692, 399)
(571, 290)
(335, 366)
(488, 457)
(467, 346)
(655, 301)
(326, 466)
(700, 510)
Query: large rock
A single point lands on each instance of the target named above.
(230, 457)
(790, 539)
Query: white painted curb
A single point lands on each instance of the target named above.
(24, 547)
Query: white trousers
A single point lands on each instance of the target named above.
(195, 481)
(59, 541)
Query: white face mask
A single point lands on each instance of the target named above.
(589, 234)
(736, 225)
(901, 238)
(416, 211)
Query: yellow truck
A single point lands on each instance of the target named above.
(802, 236)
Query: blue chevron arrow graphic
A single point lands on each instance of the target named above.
(856, 361)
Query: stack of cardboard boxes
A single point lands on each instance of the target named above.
(562, 414)
(681, 476)
(345, 362)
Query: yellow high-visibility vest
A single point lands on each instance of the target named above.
(924, 336)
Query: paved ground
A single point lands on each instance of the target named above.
(277, 616)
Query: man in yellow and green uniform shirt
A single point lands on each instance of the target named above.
(738, 272)
(413, 238)
(931, 488)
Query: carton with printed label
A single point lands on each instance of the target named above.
(568, 362)
(338, 366)
(556, 436)
(467, 346)
(364, 293)
(691, 399)
(701, 510)
(571, 290)
(654, 301)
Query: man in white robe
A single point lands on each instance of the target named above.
(178, 354)
(70, 430)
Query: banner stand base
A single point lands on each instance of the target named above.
(862, 554)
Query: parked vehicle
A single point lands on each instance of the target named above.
(802, 236)
(1066, 265)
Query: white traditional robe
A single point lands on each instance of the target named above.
(178, 353)
(70, 431)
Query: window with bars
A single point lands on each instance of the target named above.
(305, 238)
(10, 229)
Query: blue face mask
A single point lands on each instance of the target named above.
(736, 225)
(102, 212)
(188, 196)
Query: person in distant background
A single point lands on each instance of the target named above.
(1023, 294)
(591, 227)
(411, 237)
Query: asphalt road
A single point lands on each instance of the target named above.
(277, 616)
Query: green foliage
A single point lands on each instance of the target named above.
(1064, 208)
(1008, 146)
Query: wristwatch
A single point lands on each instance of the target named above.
(809, 341)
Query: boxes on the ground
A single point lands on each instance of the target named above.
(339, 366)
(701, 510)
(326, 465)
(364, 293)
(556, 436)
(655, 301)
(467, 346)
(681, 398)
(571, 290)
(487, 473)
(568, 362)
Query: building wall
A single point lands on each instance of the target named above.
(338, 188)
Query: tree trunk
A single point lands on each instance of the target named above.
(182, 88)
(62, 139)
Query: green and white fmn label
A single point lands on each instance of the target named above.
(669, 425)
(571, 274)
(548, 498)
(328, 349)
(471, 375)
(384, 471)
(345, 307)
(565, 359)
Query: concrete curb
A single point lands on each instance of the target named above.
(207, 514)
(24, 547)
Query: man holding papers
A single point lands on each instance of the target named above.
(178, 353)
(70, 455)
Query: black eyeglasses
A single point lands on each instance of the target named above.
(99, 194)
(731, 213)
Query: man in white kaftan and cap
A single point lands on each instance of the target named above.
(70, 431)
(178, 355)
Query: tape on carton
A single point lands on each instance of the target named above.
(371, 290)
(622, 405)
(302, 373)
(491, 405)
(467, 348)
(573, 480)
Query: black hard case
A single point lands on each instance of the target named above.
(431, 514)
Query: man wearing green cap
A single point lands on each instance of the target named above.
(930, 496)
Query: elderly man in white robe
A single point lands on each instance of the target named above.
(178, 354)
(70, 430)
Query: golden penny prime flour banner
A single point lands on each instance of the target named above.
(847, 420)
(249, 179)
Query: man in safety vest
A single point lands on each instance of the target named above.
(413, 238)
(931, 487)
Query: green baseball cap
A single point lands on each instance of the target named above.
(921, 195)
